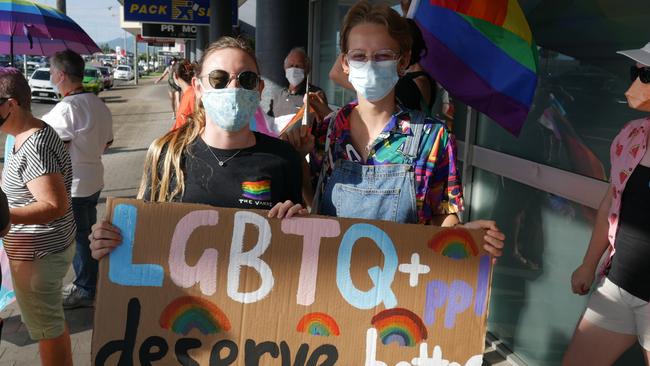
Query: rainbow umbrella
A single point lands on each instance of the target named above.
(27, 28)
(482, 52)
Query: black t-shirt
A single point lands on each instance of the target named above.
(4, 210)
(257, 177)
(630, 267)
(408, 92)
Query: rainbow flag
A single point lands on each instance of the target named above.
(482, 52)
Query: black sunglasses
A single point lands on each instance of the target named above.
(219, 79)
(3, 100)
(643, 73)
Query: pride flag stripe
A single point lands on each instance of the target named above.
(516, 22)
(498, 69)
(473, 89)
(483, 53)
(517, 48)
(493, 11)
(505, 14)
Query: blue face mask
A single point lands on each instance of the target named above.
(230, 108)
(373, 80)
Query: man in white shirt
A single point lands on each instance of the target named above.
(85, 125)
(287, 101)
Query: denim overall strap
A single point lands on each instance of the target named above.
(412, 144)
(376, 192)
(324, 163)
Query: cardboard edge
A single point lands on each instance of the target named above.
(487, 305)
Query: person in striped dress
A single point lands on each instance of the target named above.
(37, 179)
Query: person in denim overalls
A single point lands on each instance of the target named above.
(375, 159)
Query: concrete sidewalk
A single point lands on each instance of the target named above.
(140, 114)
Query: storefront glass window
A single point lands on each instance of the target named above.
(577, 111)
(532, 308)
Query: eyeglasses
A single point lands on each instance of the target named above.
(377, 56)
(643, 73)
(4, 100)
(219, 79)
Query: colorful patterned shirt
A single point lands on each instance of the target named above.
(437, 181)
(627, 150)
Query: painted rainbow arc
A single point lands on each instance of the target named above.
(454, 243)
(318, 324)
(259, 190)
(191, 312)
(399, 326)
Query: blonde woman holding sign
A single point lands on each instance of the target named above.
(215, 158)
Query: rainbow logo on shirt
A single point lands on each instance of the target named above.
(259, 190)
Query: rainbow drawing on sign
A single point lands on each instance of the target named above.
(189, 312)
(400, 326)
(260, 190)
(318, 324)
(454, 243)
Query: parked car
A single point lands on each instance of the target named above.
(32, 66)
(107, 76)
(123, 72)
(4, 61)
(41, 86)
(93, 80)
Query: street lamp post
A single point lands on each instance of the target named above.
(220, 19)
(135, 59)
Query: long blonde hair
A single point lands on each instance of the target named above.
(161, 175)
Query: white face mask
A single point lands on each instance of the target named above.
(373, 80)
(295, 75)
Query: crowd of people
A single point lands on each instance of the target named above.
(384, 156)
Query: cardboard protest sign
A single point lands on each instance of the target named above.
(199, 285)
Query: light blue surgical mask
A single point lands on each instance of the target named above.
(230, 108)
(373, 79)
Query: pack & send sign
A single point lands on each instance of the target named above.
(168, 11)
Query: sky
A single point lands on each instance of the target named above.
(99, 18)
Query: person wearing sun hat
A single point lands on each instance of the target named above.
(618, 312)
